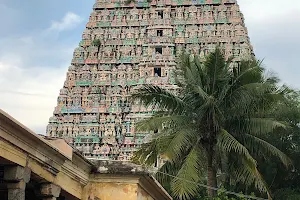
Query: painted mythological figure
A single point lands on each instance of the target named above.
(130, 45)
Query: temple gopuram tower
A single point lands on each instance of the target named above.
(125, 46)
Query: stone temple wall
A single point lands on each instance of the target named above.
(125, 46)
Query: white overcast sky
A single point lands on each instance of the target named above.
(37, 39)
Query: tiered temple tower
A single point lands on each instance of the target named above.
(125, 46)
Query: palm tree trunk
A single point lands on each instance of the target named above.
(211, 173)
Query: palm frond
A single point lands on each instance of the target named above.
(169, 168)
(263, 126)
(181, 70)
(191, 73)
(239, 103)
(248, 71)
(184, 138)
(147, 154)
(260, 144)
(157, 122)
(249, 98)
(201, 73)
(151, 95)
(227, 143)
(185, 185)
(215, 67)
(244, 172)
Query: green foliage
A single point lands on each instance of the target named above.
(219, 120)
(287, 194)
(225, 196)
(96, 43)
(284, 182)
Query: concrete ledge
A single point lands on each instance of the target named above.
(55, 162)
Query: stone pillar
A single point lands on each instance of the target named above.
(49, 191)
(16, 177)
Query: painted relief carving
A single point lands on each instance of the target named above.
(124, 47)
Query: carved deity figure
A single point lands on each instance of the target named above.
(179, 13)
(124, 47)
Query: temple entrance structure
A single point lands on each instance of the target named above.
(126, 46)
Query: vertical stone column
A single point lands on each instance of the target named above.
(49, 191)
(16, 177)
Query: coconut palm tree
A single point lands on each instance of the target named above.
(214, 119)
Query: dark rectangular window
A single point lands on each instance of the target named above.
(160, 14)
(158, 50)
(157, 71)
(160, 33)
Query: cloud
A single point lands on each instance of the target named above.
(33, 67)
(257, 10)
(30, 97)
(274, 33)
(69, 21)
(29, 93)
